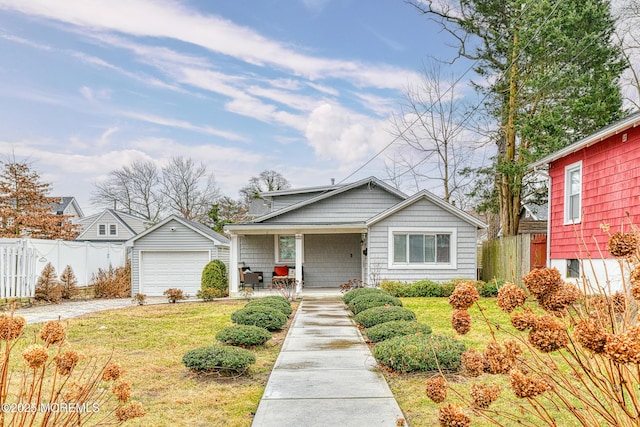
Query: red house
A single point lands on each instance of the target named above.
(594, 185)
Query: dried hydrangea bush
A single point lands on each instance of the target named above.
(574, 350)
(55, 385)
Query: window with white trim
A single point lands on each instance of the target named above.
(113, 230)
(285, 248)
(102, 229)
(422, 247)
(573, 193)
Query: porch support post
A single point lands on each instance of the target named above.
(233, 265)
(298, 263)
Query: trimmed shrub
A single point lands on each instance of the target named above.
(349, 296)
(244, 335)
(218, 358)
(214, 275)
(489, 289)
(277, 298)
(420, 353)
(364, 302)
(376, 315)
(266, 317)
(273, 303)
(422, 288)
(209, 294)
(396, 328)
(174, 294)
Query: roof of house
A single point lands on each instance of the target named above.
(537, 212)
(329, 191)
(614, 128)
(120, 217)
(65, 201)
(195, 226)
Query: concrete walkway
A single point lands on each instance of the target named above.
(325, 374)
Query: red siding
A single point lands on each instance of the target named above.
(610, 189)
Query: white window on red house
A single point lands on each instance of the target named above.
(573, 193)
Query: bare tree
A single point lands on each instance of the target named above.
(134, 189)
(268, 180)
(434, 140)
(188, 188)
(628, 34)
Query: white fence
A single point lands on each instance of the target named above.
(22, 261)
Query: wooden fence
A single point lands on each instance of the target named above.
(22, 261)
(507, 258)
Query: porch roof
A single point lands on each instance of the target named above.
(289, 228)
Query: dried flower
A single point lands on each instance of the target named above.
(53, 332)
(66, 361)
(473, 363)
(619, 302)
(464, 295)
(512, 350)
(548, 334)
(451, 415)
(74, 391)
(565, 295)
(635, 291)
(461, 321)
(510, 297)
(35, 355)
(132, 410)
(112, 371)
(498, 362)
(541, 281)
(122, 391)
(436, 389)
(484, 395)
(525, 385)
(622, 245)
(523, 320)
(590, 335)
(635, 275)
(11, 327)
(624, 347)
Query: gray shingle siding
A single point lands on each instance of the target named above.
(356, 205)
(331, 259)
(419, 215)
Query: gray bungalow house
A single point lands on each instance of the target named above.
(367, 230)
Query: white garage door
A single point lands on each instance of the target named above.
(163, 270)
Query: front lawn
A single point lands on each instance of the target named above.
(149, 342)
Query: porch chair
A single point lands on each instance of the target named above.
(250, 279)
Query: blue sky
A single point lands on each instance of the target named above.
(305, 87)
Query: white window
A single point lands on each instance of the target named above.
(102, 229)
(422, 248)
(285, 248)
(573, 193)
(113, 230)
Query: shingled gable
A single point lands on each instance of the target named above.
(195, 226)
(329, 192)
(426, 195)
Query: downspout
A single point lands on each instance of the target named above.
(545, 174)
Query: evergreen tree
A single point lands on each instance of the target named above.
(551, 75)
(69, 283)
(25, 208)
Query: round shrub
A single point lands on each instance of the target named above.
(276, 298)
(266, 317)
(393, 287)
(214, 276)
(396, 328)
(376, 315)
(420, 353)
(349, 296)
(273, 303)
(244, 335)
(209, 294)
(363, 302)
(218, 358)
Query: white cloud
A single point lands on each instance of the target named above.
(93, 95)
(338, 134)
(181, 124)
(172, 20)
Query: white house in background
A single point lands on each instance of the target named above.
(111, 226)
(172, 254)
(368, 230)
(68, 206)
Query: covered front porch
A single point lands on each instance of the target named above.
(316, 257)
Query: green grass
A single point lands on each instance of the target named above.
(149, 342)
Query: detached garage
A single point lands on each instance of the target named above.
(172, 254)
